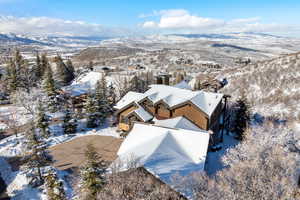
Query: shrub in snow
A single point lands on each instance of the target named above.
(54, 186)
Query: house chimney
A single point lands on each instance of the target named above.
(159, 80)
(166, 79)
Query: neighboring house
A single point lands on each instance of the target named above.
(164, 152)
(160, 102)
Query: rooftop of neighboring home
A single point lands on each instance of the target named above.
(173, 96)
(86, 82)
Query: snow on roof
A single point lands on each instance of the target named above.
(164, 151)
(143, 114)
(178, 122)
(207, 101)
(86, 83)
(173, 96)
(183, 85)
(128, 99)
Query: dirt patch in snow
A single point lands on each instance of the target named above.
(71, 154)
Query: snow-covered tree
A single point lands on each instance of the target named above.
(242, 116)
(12, 76)
(28, 101)
(70, 123)
(42, 121)
(111, 95)
(44, 64)
(91, 111)
(92, 174)
(71, 69)
(64, 75)
(36, 157)
(101, 100)
(19, 73)
(38, 67)
(54, 187)
(50, 89)
(12, 121)
(263, 166)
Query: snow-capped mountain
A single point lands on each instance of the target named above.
(51, 40)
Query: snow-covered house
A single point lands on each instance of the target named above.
(202, 109)
(163, 151)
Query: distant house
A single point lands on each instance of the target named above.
(161, 102)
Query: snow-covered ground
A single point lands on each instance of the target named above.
(213, 159)
(11, 112)
(17, 182)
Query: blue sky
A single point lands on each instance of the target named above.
(193, 16)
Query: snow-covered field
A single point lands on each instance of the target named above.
(17, 182)
(11, 112)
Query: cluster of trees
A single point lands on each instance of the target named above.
(35, 84)
(138, 83)
(21, 74)
(36, 159)
(264, 166)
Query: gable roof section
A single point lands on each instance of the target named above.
(164, 151)
(178, 122)
(142, 114)
(128, 99)
(207, 101)
(172, 96)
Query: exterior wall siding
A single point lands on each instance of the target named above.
(163, 112)
(193, 114)
(125, 112)
(188, 110)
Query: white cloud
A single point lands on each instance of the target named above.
(182, 20)
(150, 24)
(48, 26)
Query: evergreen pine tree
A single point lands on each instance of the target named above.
(38, 67)
(70, 67)
(134, 84)
(111, 95)
(63, 75)
(92, 174)
(12, 76)
(42, 121)
(38, 157)
(101, 100)
(54, 187)
(48, 82)
(242, 117)
(44, 64)
(90, 109)
(70, 123)
(50, 89)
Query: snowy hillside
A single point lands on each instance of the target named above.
(271, 86)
